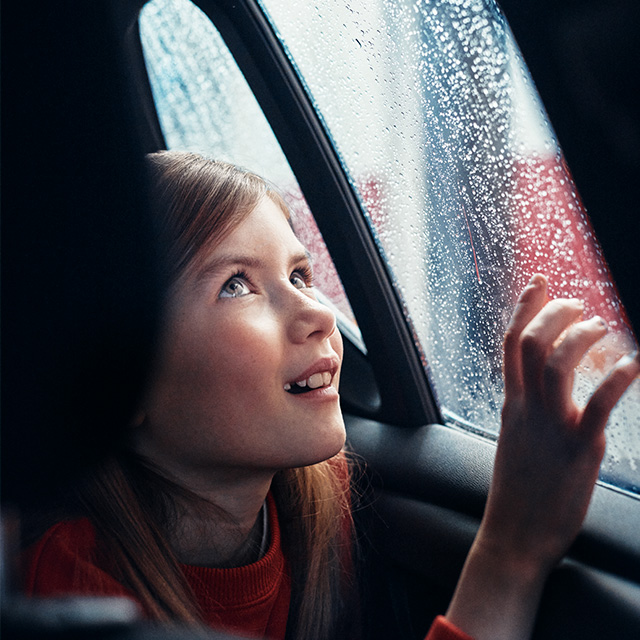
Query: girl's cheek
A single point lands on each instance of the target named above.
(242, 341)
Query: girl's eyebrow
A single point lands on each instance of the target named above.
(223, 262)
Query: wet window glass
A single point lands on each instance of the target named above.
(439, 128)
(205, 105)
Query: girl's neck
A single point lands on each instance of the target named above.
(218, 524)
(222, 526)
(217, 541)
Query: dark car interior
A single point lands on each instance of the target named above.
(81, 295)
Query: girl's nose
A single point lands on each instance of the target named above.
(309, 319)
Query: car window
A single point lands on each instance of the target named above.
(440, 131)
(205, 105)
(436, 120)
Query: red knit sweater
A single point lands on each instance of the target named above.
(252, 600)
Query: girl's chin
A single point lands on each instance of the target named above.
(335, 447)
(327, 449)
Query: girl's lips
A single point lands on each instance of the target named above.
(319, 394)
(318, 376)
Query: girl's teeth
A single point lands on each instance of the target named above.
(315, 381)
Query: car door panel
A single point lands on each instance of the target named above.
(430, 487)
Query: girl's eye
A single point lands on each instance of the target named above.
(301, 278)
(235, 287)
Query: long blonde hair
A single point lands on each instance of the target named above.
(132, 504)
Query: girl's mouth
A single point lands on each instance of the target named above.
(315, 381)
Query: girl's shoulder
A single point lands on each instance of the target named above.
(75, 537)
(65, 561)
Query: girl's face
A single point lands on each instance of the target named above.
(240, 333)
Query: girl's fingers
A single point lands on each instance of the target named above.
(531, 301)
(605, 397)
(560, 365)
(538, 338)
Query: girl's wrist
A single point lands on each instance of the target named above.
(520, 558)
(522, 570)
(498, 593)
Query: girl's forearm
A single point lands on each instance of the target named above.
(497, 597)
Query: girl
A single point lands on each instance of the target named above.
(229, 504)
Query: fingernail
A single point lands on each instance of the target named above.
(630, 357)
(577, 302)
(536, 279)
(601, 321)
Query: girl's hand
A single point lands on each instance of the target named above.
(548, 457)
(550, 450)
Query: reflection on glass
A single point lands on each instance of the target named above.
(464, 186)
